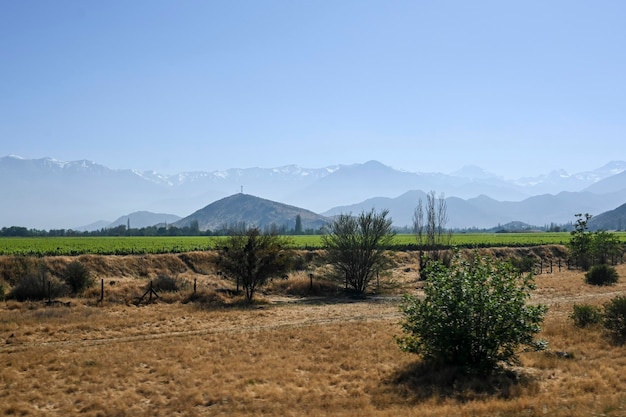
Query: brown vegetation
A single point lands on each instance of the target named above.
(286, 355)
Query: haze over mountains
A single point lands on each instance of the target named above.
(46, 193)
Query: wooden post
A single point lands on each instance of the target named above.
(559, 264)
(49, 291)
(195, 280)
(310, 282)
(102, 290)
(150, 293)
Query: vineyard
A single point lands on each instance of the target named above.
(129, 245)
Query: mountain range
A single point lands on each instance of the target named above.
(47, 193)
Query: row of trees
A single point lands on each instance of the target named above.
(592, 248)
(162, 230)
(475, 313)
(355, 247)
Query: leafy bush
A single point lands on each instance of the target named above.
(585, 315)
(37, 285)
(474, 315)
(602, 274)
(615, 318)
(78, 277)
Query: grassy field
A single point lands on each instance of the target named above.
(59, 246)
(286, 356)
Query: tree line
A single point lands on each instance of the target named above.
(160, 230)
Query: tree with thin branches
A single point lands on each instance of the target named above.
(429, 226)
(251, 258)
(355, 247)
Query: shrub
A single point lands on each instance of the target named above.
(37, 285)
(586, 315)
(615, 318)
(78, 277)
(602, 274)
(474, 315)
(525, 263)
(167, 283)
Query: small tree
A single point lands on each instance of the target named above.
(250, 258)
(429, 226)
(615, 318)
(77, 277)
(592, 248)
(580, 242)
(475, 314)
(355, 247)
(605, 247)
(298, 229)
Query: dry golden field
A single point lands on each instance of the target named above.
(284, 356)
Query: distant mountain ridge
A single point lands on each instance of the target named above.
(609, 220)
(46, 193)
(136, 220)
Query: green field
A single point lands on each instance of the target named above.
(55, 246)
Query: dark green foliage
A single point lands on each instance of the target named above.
(250, 258)
(474, 315)
(78, 277)
(581, 242)
(606, 247)
(615, 318)
(601, 275)
(588, 249)
(584, 315)
(298, 227)
(355, 247)
(37, 284)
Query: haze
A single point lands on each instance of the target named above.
(517, 88)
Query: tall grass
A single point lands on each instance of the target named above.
(328, 357)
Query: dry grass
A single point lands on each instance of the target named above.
(287, 356)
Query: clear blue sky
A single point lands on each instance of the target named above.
(516, 87)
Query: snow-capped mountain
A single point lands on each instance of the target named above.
(47, 193)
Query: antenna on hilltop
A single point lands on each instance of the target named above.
(241, 192)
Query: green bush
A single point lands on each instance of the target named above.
(602, 274)
(78, 277)
(615, 318)
(37, 285)
(474, 315)
(586, 315)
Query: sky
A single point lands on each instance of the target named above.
(518, 88)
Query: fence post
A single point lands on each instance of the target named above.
(195, 280)
(102, 290)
